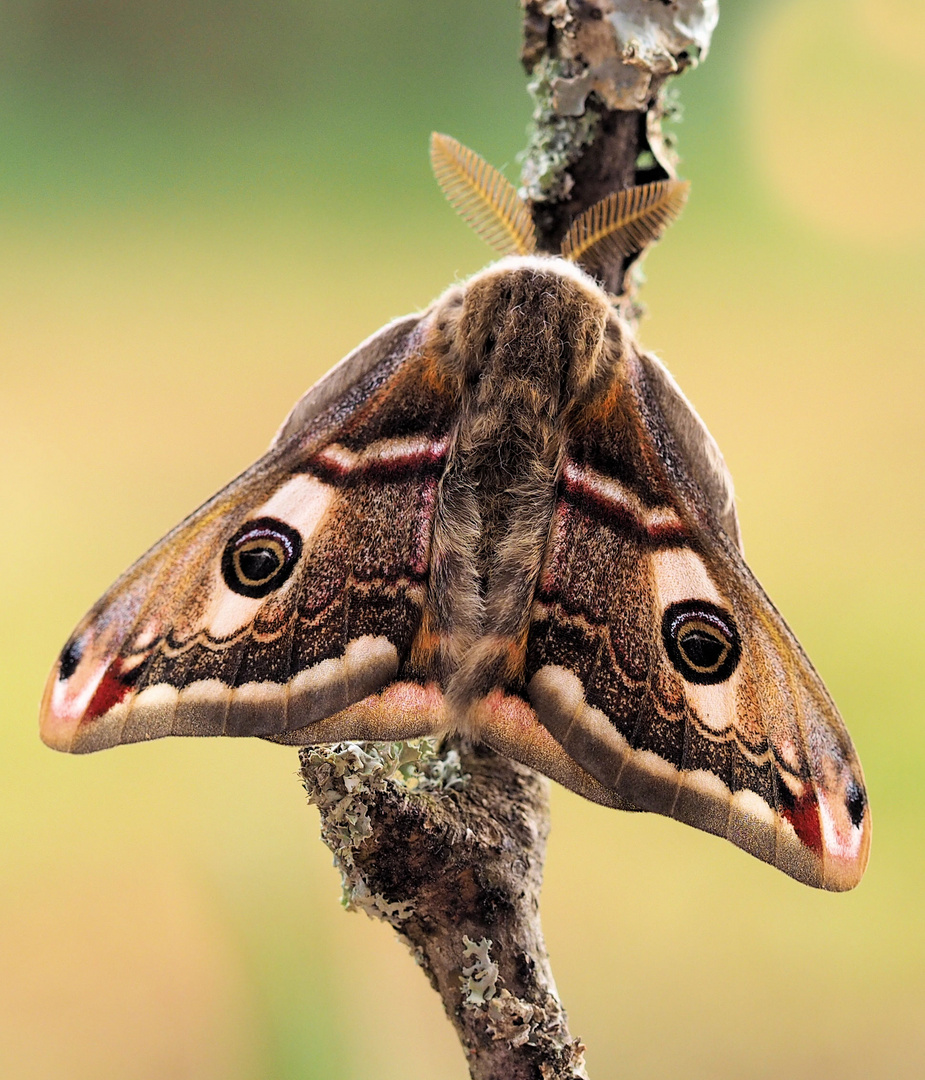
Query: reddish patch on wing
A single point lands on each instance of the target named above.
(424, 515)
(114, 687)
(588, 493)
(386, 459)
(803, 815)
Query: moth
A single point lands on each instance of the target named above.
(501, 517)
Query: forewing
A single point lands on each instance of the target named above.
(290, 596)
(658, 663)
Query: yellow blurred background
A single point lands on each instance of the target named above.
(203, 205)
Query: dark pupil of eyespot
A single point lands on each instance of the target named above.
(260, 557)
(702, 649)
(258, 563)
(701, 641)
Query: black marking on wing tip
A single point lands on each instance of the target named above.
(70, 658)
(856, 803)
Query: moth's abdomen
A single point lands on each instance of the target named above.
(515, 343)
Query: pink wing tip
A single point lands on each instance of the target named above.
(56, 728)
(846, 845)
(85, 683)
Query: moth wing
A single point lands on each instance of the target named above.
(658, 663)
(293, 594)
(349, 381)
(695, 446)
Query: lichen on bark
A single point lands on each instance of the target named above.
(598, 78)
(446, 844)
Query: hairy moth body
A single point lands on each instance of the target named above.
(501, 517)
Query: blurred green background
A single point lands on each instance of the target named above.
(203, 205)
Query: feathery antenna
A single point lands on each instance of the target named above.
(624, 222)
(482, 196)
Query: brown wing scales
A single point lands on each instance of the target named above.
(187, 643)
(503, 500)
(636, 538)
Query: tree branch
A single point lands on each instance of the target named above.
(453, 860)
(447, 843)
(598, 74)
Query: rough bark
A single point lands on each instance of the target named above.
(446, 843)
(598, 74)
